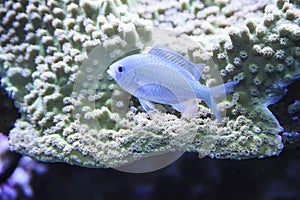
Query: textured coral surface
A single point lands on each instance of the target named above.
(43, 47)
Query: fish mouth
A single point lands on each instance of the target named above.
(110, 72)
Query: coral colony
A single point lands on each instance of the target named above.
(44, 44)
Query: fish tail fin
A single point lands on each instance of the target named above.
(221, 90)
(218, 92)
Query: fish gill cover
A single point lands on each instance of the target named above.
(43, 48)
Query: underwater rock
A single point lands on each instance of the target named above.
(16, 173)
(294, 107)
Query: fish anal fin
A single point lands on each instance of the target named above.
(215, 110)
(147, 105)
(187, 107)
(218, 92)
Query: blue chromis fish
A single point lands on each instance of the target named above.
(166, 77)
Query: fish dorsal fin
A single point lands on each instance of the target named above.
(166, 53)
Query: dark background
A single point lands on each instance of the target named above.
(188, 178)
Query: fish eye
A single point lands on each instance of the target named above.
(121, 68)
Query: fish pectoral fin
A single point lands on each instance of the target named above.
(188, 107)
(147, 105)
